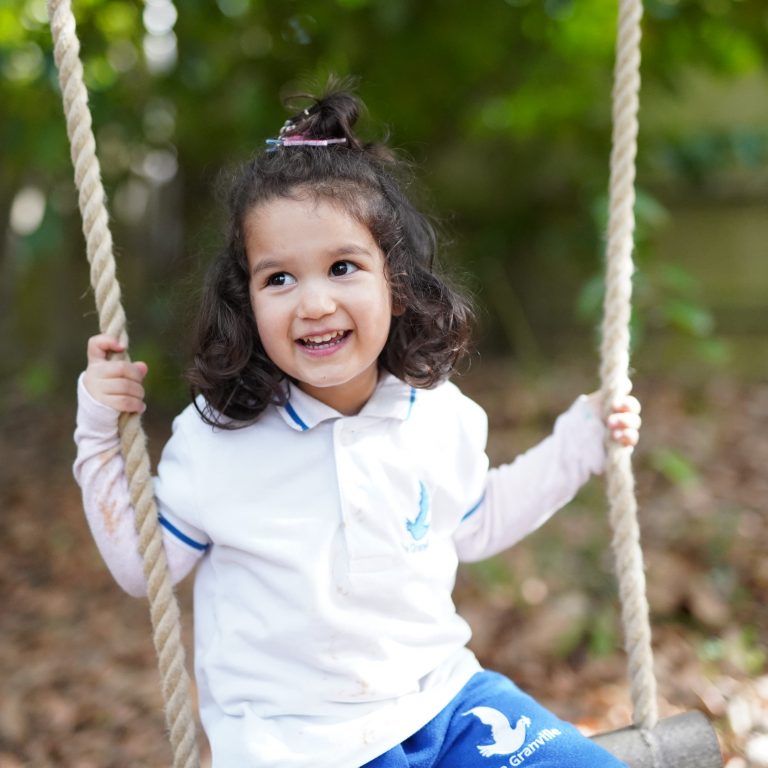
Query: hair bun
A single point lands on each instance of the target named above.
(332, 116)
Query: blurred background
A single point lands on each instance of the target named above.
(504, 107)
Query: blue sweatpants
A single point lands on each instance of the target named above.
(492, 724)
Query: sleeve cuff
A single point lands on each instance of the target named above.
(93, 414)
(583, 431)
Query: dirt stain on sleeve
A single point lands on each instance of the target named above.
(106, 456)
(107, 510)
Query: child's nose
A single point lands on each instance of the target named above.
(316, 301)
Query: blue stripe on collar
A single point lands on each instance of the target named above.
(411, 402)
(295, 416)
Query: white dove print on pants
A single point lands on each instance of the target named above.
(506, 739)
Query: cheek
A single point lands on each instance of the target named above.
(268, 322)
(257, 315)
(393, 309)
(381, 312)
(253, 305)
(375, 299)
(274, 342)
(396, 306)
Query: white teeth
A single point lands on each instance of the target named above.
(322, 339)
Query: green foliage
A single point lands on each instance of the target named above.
(37, 380)
(505, 105)
(674, 466)
(742, 650)
(604, 637)
(491, 574)
(666, 296)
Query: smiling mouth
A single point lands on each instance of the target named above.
(324, 341)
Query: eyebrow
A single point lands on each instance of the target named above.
(264, 264)
(349, 249)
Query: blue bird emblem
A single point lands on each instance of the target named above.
(419, 527)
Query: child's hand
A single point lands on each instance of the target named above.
(114, 383)
(623, 422)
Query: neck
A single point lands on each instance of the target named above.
(348, 398)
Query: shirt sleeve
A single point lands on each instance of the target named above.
(521, 496)
(99, 470)
(458, 432)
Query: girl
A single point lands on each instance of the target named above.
(327, 479)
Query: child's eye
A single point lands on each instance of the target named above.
(280, 278)
(341, 268)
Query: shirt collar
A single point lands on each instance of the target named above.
(392, 398)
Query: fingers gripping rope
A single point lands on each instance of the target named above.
(615, 364)
(164, 609)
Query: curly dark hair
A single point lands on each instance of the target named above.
(430, 331)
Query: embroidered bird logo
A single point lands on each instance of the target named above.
(506, 739)
(418, 528)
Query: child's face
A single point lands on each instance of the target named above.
(320, 296)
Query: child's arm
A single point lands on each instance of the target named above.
(103, 390)
(520, 496)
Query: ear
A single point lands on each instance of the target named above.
(398, 309)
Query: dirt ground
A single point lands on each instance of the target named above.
(79, 676)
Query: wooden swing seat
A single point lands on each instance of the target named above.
(681, 741)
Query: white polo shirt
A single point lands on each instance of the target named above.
(325, 631)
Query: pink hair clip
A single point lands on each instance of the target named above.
(297, 140)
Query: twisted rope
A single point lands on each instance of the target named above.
(614, 366)
(164, 609)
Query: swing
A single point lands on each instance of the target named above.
(686, 740)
